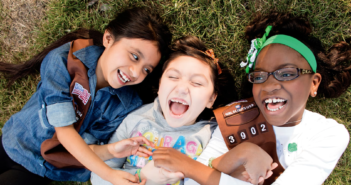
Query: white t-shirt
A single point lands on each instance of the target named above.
(319, 143)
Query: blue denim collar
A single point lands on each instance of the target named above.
(89, 56)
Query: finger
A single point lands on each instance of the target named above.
(142, 140)
(261, 179)
(143, 182)
(130, 177)
(145, 151)
(269, 174)
(172, 175)
(274, 165)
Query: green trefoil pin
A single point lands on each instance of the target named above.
(292, 147)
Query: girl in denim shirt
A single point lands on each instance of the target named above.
(133, 45)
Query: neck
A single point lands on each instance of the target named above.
(100, 79)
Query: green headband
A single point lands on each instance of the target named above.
(258, 44)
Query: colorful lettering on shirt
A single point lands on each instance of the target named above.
(167, 141)
(149, 136)
(180, 144)
(191, 147)
(199, 150)
(141, 162)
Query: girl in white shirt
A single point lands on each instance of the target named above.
(286, 66)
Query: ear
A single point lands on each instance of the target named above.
(212, 100)
(107, 39)
(316, 80)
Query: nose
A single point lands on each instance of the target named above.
(182, 87)
(137, 72)
(271, 84)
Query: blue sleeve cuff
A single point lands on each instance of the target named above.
(61, 114)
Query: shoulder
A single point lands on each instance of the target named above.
(326, 130)
(141, 112)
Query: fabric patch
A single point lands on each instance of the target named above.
(82, 93)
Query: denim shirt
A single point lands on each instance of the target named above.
(51, 106)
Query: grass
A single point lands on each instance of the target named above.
(220, 24)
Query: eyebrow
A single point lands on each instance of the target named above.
(139, 52)
(279, 67)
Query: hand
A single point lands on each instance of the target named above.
(131, 146)
(246, 177)
(257, 163)
(117, 177)
(155, 175)
(172, 160)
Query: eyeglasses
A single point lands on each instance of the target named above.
(284, 74)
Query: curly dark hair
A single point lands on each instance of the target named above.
(224, 84)
(334, 64)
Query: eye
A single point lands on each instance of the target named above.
(135, 57)
(258, 78)
(148, 71)
(173, 77)
(196, 84)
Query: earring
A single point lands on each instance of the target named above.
(315, 93)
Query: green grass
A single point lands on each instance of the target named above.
(219, 23)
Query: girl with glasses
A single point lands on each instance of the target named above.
(286, 65)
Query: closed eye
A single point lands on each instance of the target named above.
(173, 77)
(196, 84)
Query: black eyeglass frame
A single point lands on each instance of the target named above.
(299, 70)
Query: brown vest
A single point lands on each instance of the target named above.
(51, 149)
(242, 121)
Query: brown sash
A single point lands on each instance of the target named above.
(242, 121)
(51, 149)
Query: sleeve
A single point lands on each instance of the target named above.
(116, 163)
(54, 88)
(215, 148)
(317, 161)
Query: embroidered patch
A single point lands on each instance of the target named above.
(292, 147)
(82, 93)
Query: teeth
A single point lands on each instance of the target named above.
(273, 110)
(274, 100)
(123, 77)
(176, 101)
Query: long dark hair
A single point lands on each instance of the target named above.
(131, 23)
(334, 65)
(224, 85)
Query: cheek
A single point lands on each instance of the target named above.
(255, 90)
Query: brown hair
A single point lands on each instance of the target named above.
(194, 47)
(131, 23)
(333, 65)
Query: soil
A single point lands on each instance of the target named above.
(20, 20)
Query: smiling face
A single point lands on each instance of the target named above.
(186, 88)
(290, 97)
(126, 61)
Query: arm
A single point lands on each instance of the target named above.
(72, 141)
(198, 169)
(246, 157)
(123, 148)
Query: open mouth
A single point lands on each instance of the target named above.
(178, 107)
(122, 76)
(274, 104)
